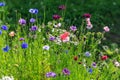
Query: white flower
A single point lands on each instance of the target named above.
(59, 24)
(46, 47)
(117, 64)
(7, 78)
(58, 41)
(89, 26)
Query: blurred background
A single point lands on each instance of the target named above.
(104, 13)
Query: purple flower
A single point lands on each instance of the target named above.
(88, 54)
(32, 20)
(52, 38)
(86, 15)
(2, 4)
(21, 39)
(4, 27)
(24, 45)
(61, 7)
(50, 74)
(33, 11)
(56, 17)
(34, 28)
(94, 64)
(73, 28)
(46, 47)
(22, 21)
(6, 49)
(66, 71)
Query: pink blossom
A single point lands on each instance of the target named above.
(106, 29)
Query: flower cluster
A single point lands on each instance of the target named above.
(33, 11)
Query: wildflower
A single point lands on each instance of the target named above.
(6, 49)
(34, 28)
(32, 20)
(7, 78)
(90, 70)
(75, 58)
(46, 47)
(66, 71)
(62, 7)
(0, 32)
(90, 26)
(12, 34)
(106, 29)
(57, 25)
(117, 64)
(88, 54)
(2, 4)
(24, 45)
(86, 15)
(52, 38)
(33, 11)
(21, 39)
(50, 74)
(65, 36)
(94, 64)
(4, 27)
(66, 51)
(22, 21)
(73, 28)
(104, 57)
(56, 17)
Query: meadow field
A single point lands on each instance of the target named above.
(59, 40)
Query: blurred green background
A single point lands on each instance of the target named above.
(104, 13)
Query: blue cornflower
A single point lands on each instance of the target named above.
(90, 70)
(2, 4)
(6, 49)
(32, 20)
(0, 32)
(88, 54)
(66, 51)
(4, 27)
(33, 11)
(24, 45)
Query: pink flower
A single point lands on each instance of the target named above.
(65, 36)
(106, 29)
(86, 15)
(56, 17)
(62, 7)
(104, 57)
